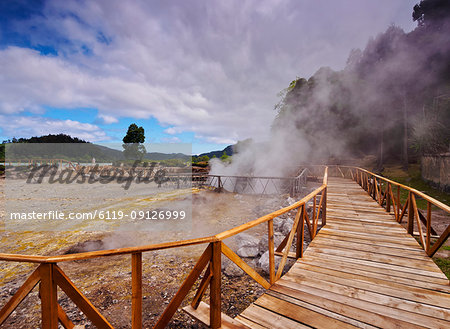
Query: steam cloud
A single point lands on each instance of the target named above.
(376, 105)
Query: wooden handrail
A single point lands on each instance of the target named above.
(416, 192)
(263, 219)
(372, 183)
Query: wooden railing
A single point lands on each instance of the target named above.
(50, 276)
(40, 162)
(388, 194)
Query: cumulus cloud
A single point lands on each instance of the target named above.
(107, 119)
(213, 68)
(37, 126)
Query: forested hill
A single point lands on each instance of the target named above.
(391, 100)
(227, 150)
(72, 148)
(59, 138)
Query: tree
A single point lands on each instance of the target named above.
(431, 13)
(132, 147)
(134, 134)
(224, 156)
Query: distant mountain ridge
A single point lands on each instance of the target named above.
(51, 146)
(228, 150)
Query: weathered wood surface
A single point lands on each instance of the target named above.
(362, 270)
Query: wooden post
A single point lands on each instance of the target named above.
(398, 201)
(300, 234)
(410, 215)
(136, 290)
(215, 286)
(388, 198)
(219, 183)
(324, 207)
(271, 252)
(427, 248)
(314, 207)
(49, 300)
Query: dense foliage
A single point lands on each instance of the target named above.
(59, 138)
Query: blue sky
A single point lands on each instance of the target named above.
(200, 72)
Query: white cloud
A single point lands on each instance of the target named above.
(108, 119)
(28, 126)
(171, 131)
(213, 68)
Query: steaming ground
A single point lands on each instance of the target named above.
(107, 281)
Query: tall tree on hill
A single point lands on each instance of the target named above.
(132, 147)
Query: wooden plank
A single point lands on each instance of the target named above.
(363, 221)
(439, 242)
(403, 240)
(419, 225)
(184, 288)
(364, 312)
(358, 220)
(396, 232)
(289, 243)
(271, 252)
(370, 248)
(249, 323)
(380, 258)
(300, 234)
(130, 250)
(23, 258)
(20, 294)
(370, 242)
(202, 288)
(380, 273)
(299, 314)
(136, 290)
(64, 319)
(80, 300)
(215, 297)
(436, 298)
(398, 268)
(244, 266)
(316, 219)
(269, 319)
(49, 298)
(373, 296)
(290, 255)
(202, 315)
(321, 310)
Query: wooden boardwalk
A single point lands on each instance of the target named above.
(362, 270)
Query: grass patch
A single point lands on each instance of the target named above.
(445, 247)
(444, 265)
(412, 178)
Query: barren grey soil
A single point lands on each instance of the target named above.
(107, 281)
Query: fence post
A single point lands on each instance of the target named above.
(388, 198)
(410, 215)
(136, 290)
(300, 234)
(215, 286)
(271, 252)
(324, 207)
(49, 300)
